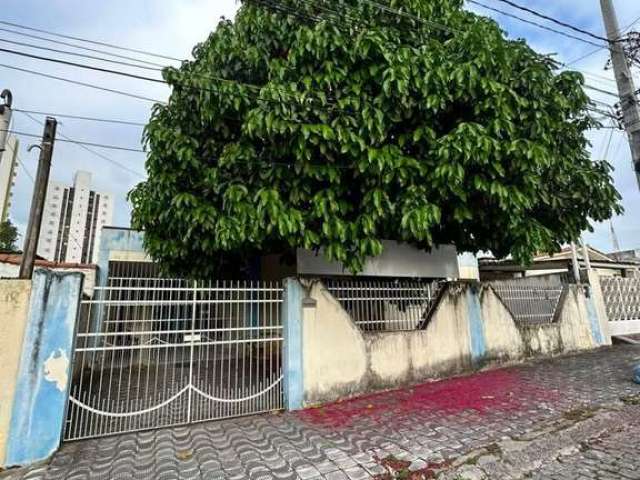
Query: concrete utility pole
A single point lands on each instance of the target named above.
(5, 119)
(39, 196)
(626, 88)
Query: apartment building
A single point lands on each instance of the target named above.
(8, 172)
(72, 221)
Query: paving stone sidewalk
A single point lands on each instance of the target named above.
(432, 429)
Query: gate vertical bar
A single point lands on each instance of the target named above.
(191, 348)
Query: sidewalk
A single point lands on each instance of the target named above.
(554, 419)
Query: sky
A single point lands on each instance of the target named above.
(174, 27)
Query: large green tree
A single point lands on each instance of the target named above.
(337, 123)
(8, 236)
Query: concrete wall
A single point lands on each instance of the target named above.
(42, 380)
(10, 270)
(470, 328)
(14, 307)
(118, 244)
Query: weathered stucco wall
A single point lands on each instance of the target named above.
(42, 384)
(503, 339)
(14, 306)
(470, 328)
(326, 341)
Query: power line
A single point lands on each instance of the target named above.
(596, 89)
(536, 24)
(593, 75)
(121, 73)
(93, 42)
(593, 52)
(126, 74)
(24, 168)
(284, 7)
(83, 84)
(556, 21)
(82, 55)
(400, 13)
(133, 76)
(82, 65)
(78, 142)
(156, 80)
(17, 155)
(88, 149)
(79, 117)
(587, 55)
(79, 47)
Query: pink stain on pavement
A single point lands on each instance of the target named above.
(498, 390)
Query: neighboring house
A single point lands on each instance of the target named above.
(397, 260)
(626, 255)
(10, 267)
(72, 221)
(559, 263)
(125, 257)
(8, 173)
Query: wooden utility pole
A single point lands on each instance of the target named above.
(39, 196)
(624, 79)
(5, 119)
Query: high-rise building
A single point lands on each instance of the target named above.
(8, 172)
(72, 221)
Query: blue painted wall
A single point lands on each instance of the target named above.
(112, 239)
(292, 350)
(42, 387)
(592, 312)
(116, 239)
(476, 329)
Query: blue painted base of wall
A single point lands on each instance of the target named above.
(592, 312)
(476, 328)
(42, 388)
(292, 350)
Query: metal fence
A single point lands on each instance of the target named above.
(532, 301)
(622, 299)
(385, 305)
(153, 353)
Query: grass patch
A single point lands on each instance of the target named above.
(631, 399)
(400, 469)
(579, 414)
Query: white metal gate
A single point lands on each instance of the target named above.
(622, 299)
(153, 353)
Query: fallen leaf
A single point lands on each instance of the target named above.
(184, 455)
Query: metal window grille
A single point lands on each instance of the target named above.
(531, 301)
(385, 305)
(156, 352)
(622, 298)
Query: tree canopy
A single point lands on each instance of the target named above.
(8, 236)
(332, 125)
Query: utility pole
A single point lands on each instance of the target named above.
(5, 119)
(39, 196)
(626, 88)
